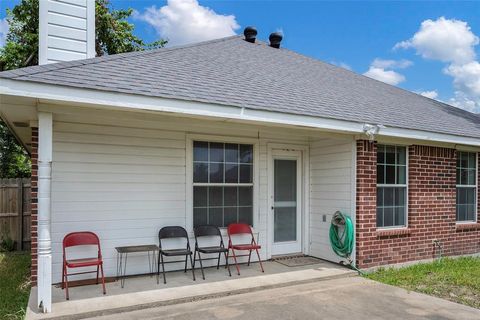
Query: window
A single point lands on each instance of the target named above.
(391, 186)
(466, 186)
(222, 183)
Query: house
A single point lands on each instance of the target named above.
(234, 129)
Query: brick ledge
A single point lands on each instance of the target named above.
(393, 232)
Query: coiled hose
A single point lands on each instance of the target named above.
(342, 237)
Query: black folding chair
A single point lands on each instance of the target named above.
(210, 232)
(173, 232)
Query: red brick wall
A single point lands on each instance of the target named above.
(366, 203)
(431, 210)
(34, 190)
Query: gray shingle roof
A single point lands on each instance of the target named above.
(231, 71)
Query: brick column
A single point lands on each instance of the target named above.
(366, 202)
(34, 200)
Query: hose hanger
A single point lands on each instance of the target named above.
(338, 219)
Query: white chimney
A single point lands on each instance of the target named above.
(66, 30)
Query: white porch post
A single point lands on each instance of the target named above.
(44, 211)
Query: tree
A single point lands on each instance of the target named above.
(114, 34)
(14, 160)
(21, 47)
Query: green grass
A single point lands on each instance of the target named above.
(457, 280)
(14, 284)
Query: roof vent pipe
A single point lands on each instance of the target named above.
(250, 34)
(275, 39)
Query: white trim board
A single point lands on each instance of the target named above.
(91, 53)
(305, 185)
(353, 199)
(113, 100)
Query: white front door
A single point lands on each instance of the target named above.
(286, 199)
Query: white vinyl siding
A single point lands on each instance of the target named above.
(123, 176)
(121, 183)
(332, 188)
(66, 32)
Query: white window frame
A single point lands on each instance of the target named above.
(190, 138)
(383, 185)
(475, 213)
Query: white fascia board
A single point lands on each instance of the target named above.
(428, 136)
(104, 99)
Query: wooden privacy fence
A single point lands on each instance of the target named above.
(15, 211)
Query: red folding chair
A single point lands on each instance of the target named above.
(242, 229)
(84, 238)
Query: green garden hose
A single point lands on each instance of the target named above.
(342, 237)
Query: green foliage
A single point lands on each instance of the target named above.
(14, 161)
(14, 284)
(6, 241)
(457, 280)
(21, 47)
(114, 34)
(7, 244)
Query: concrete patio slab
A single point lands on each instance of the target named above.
(143, 292)
(345, 298)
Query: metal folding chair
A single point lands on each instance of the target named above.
(173, 232)
(84, 238)
(210, 232)
(243, 229)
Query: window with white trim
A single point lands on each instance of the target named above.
(391, 186)
(222, 183)
(466, 186)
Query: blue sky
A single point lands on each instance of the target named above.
(352, 34)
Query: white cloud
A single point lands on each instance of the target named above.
(186, 21)
(433, 94)
(391, 64)
(3, 31)
(453, 42)
(466, 77)
(447, 40)
(345, 66)
(462, 101)
(387, 76)
(342, 65)
(378, 70)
